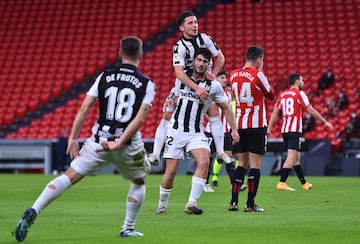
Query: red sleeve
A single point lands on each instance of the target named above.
(270, 95)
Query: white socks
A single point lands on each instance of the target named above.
(58, 185)
(160, 136)
(137, 194)
(164, 197)
(197, 186)
(217, 132)
(53, 189)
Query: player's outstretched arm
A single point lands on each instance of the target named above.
(311, 110)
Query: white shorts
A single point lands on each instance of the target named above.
(131, 160)
(177, 141)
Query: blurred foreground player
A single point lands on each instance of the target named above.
(125, 97)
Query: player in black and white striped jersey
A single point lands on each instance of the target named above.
(186, 131)
(183, 55)
(125, 97)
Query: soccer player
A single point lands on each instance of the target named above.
(187, 132)
(250, 86)
(125, 97)
(292, 102)
(183, 55)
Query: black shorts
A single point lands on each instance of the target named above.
(211, 142)
(228, 142)
(292, 141)
(251, 140)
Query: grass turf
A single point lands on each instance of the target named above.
(93, 210)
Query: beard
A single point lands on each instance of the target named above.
(200, 73)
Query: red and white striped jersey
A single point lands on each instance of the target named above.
(226, 126)
(292, 102)
(250, 86)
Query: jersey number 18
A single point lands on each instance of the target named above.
(287, 106)
(120, 104)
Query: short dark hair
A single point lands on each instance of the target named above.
(203, 51)
(293, 78)
(221, 72)
(181, 17)
(254, 52)
(131, 47)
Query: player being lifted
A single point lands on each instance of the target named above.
(183, 54)
(186, 132)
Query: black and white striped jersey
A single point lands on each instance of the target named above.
(184, 49)
(120, 92)
(190, 110)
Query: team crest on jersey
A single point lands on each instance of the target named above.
(207, 86)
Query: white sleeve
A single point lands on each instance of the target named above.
(179, 54)
(218, 91)
(94, 91)
(210, 44)
(264, 81)
(150, 93)
(304, 98)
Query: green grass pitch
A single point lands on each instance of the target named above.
(93, 210)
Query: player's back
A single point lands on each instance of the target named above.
(250, 86)
(292, 102)
(121, 93)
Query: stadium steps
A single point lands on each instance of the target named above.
(73, 90)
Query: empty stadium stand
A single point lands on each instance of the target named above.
(50, 49)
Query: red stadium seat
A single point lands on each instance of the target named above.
(328, 29)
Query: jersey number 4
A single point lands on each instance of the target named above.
(120, 104)
(245, 95)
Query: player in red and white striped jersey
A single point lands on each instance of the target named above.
(292, 103)
(250, 87)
